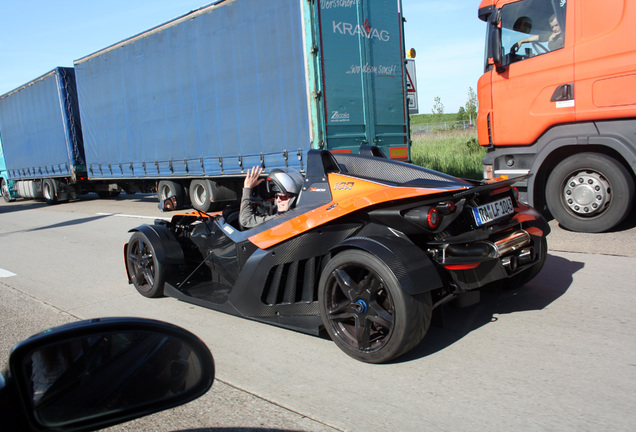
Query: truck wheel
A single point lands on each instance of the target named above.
(202, 196)
(365, 311)
(589, 192)
(168, 188)
(49, 190)
(146, 272)
(5, 191)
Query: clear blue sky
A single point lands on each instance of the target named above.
(38, 35)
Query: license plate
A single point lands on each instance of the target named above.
(494, 210)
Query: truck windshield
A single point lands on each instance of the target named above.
(532, 27)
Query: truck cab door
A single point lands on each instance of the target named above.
(532, 87)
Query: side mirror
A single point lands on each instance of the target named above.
(494, 38)
(93, 374)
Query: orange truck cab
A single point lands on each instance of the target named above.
(558, 99)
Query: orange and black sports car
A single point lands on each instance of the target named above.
(370, 249)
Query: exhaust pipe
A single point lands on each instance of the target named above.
(526, 256)
(512, 243)
(510, 263)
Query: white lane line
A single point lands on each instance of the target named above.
(6, 273)
(131, 216)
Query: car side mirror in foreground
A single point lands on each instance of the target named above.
(93, 374)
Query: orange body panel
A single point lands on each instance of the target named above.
(605, 59)
(349, 194)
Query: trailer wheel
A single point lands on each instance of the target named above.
(49, 190)
(5, 191)
(366, 312)
(202, 195)
(589, 192)
(146, 272)
(169, 188)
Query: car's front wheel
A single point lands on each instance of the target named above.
(144, 269)
(366, 312)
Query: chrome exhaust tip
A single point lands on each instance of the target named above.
(527, 256)
(510, 263)
(512, 243)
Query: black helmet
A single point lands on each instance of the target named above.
(286, 181)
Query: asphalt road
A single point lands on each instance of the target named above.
(556, 354)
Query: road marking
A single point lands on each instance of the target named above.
(6, 273)
(130, 216)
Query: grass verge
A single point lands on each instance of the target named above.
(454, 152)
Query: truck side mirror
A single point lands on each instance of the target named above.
(494, 38)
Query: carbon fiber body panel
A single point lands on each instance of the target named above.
(429, 239)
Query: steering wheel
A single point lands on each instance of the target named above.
(539, 47)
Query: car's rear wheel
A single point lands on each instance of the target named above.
(145, 271)
(366, 312)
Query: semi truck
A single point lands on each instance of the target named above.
(558, 100)
(185, 108)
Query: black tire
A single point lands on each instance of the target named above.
(168, 188)
(589, 192)
(49, 190)
(202, 196)
(528, 274)
(365, 311)
(5, 191)
(146, 272)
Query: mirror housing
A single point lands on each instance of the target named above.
(494, 38)
(93, 374)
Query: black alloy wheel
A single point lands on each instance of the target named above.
(146, 272)
(366, 312)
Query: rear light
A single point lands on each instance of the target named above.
(433, 218)
(467, 266)
(425, 216)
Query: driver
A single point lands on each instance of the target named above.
(554, 40)
(286, 184)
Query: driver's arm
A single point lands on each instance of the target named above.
(248, 218)
(534, 38)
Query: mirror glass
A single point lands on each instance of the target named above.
(108, 374)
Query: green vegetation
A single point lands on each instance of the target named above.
(432, 118)
(453, 152)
